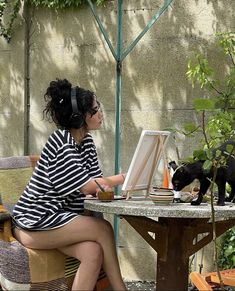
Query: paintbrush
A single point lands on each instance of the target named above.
(101, 188)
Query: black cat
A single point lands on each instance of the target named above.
(186, 174)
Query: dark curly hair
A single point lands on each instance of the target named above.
(59, 108)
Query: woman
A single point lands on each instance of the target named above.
(48, 214)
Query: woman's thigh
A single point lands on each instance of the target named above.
(82, 228)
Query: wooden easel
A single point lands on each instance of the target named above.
(158, 151)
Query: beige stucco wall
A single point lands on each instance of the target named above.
(155, 91)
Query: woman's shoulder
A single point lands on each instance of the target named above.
(56, 141)
(60, 136)
(88, 137)
(88, 140)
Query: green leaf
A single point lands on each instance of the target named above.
(218, 153)
(200, 155)
(207, 165)
(203, 104)
(230, 149)
(233, 260)
(230, 250)
(209, 154)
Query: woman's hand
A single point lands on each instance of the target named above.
(110, 181)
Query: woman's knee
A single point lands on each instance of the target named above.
(93, 253)
(105, 226)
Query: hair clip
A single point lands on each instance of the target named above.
(61, 100)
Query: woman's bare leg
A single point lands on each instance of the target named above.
(83, 228)
(90, 255)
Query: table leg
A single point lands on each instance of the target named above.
(172, 272)
(173, 240)
(169, 243)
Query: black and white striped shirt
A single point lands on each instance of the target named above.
(52, 197)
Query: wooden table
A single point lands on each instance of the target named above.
(175, 229)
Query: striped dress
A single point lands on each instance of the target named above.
(52, 197)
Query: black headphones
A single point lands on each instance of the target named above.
(77, 118)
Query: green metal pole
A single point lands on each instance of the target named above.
(118, 107)
(102, 29)
(148, 26)
(118, 87)
(119, 57)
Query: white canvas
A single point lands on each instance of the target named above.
(145, 160)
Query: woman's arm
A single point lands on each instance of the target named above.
(110, 181)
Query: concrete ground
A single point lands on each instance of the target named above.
(150, 286)
(140, 285)
(145, 286)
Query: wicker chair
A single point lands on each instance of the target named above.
(22, 268)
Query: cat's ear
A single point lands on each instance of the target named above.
(173, 165)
